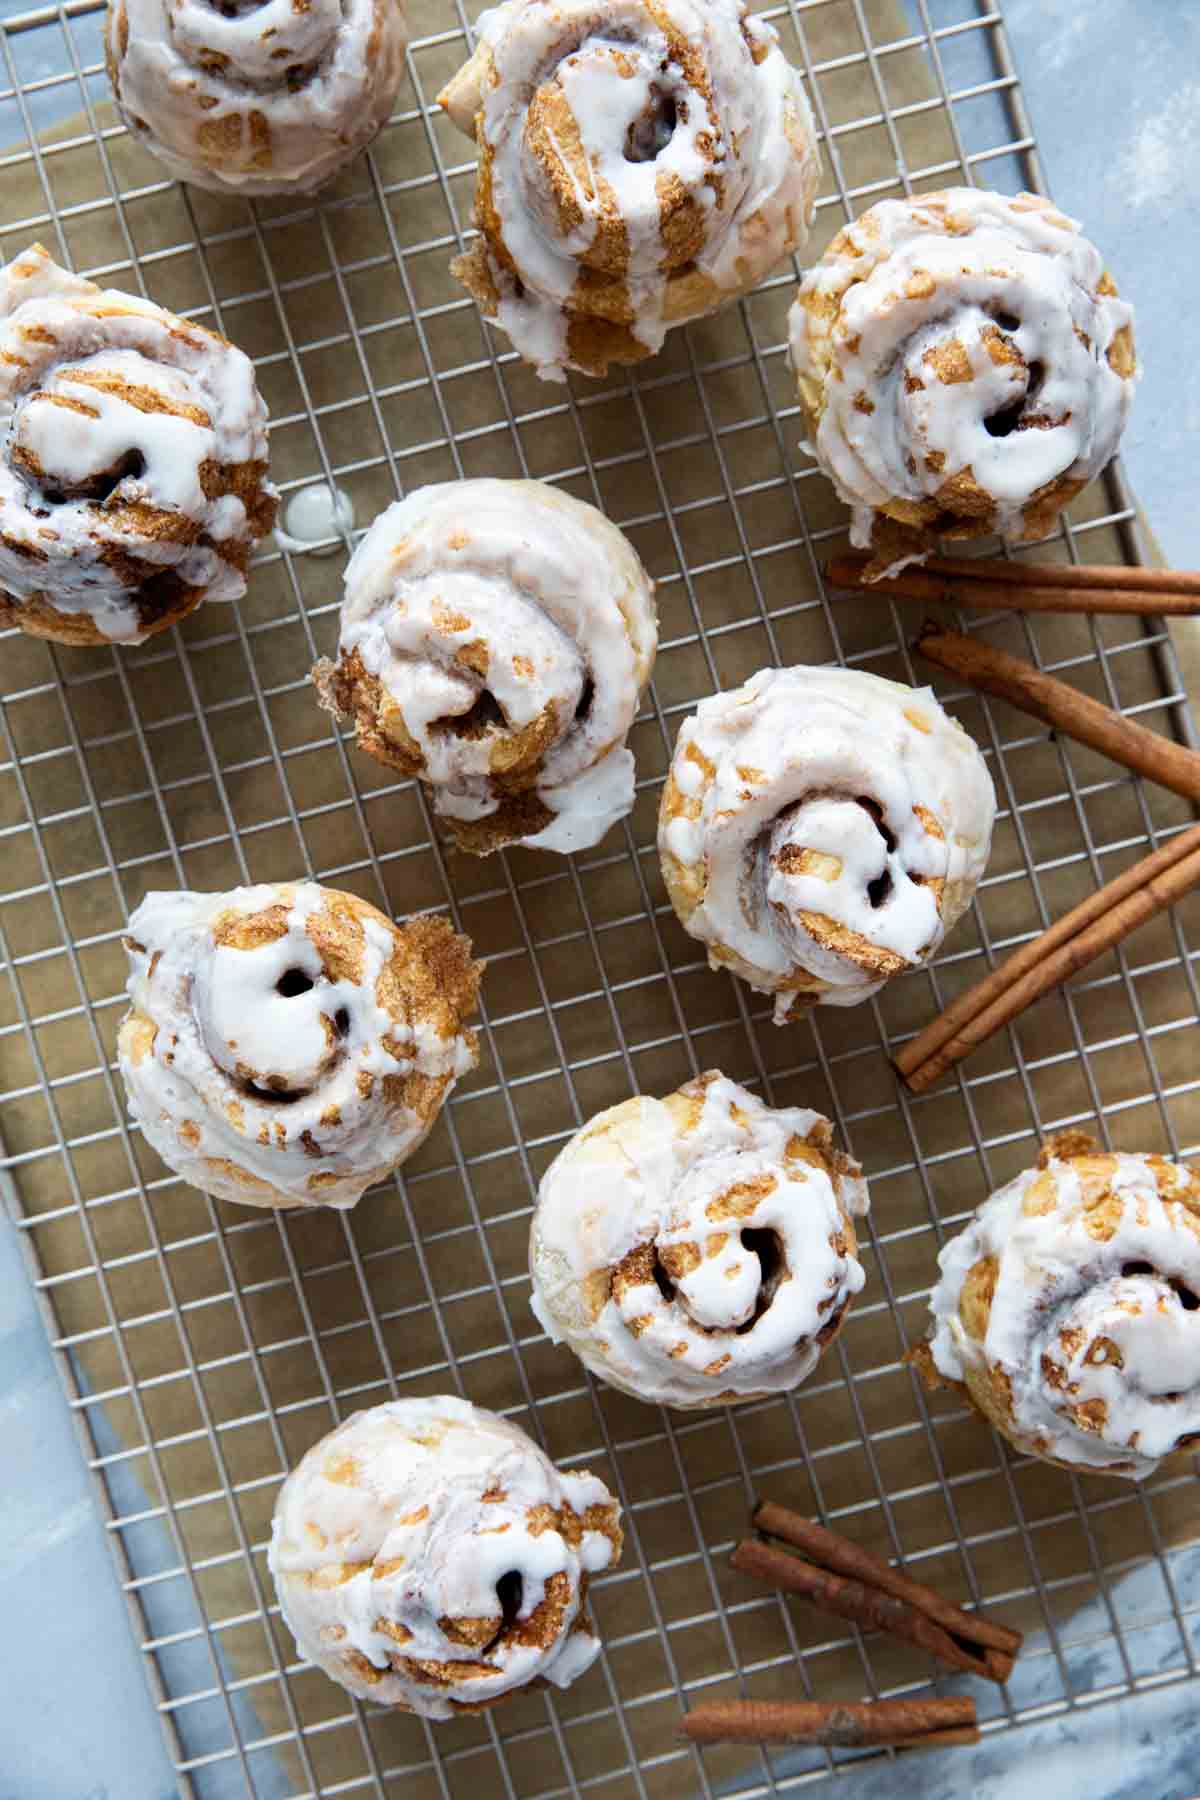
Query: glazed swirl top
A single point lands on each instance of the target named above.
(1072, 1302)
(640, 161)
(822, 829)
(290, 1045)
(256, 98)
(429, 1556)
(698, 1249)
(133, 453)
(495, 639)
(962, 355)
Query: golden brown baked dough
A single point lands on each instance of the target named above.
(821, 830)
(1068, 1310)
(495, 640)
(641, 162)
(288, 1045)
(429, 1557)
(965, 366)
(273, 97)
(700, 1249)
(133, 466)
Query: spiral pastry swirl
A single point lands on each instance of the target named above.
(1069, 1310)
(133, 460)
(699, 1249)
(966, 367)
(429, 1557)
(821, 830)
(495, 640)
(641, 162)
(255, 96)
(289, 1045)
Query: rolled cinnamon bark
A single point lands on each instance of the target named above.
(1097, 578)
(869, 1608)
(845, 1558)
(943, 584)
(1089, 931)
(852, 1725)
(993, 586)
(1064, 708)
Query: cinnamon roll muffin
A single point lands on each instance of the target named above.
(699, 1249)
(255, 96)
(965, 366)
(429, 1557)
(133, 460)
(822, 830)
(1068, 1310)
(495, 640)
(289, 1045)
(641, 163)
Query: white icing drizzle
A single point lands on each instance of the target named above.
(83, 373)
(970, 277)
(1093, 1328)
(246, 1068)
(764, 830)
(259, 99)
(586, 809)
(690, 1176)
(515, 590)
(410, 1517)
(744, 153)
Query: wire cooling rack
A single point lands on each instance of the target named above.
(203, 1347)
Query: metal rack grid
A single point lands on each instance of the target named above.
(203, 1347)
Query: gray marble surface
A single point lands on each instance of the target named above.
(1114, 91)
(76, 1721)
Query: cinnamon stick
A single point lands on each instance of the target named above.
(985, 1008)
(869, 1608)
(1092, 929)
(862, 1724)
(989, 585)
(1064, 708)
(841, 1556)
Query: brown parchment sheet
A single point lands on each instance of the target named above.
(219, 1342)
